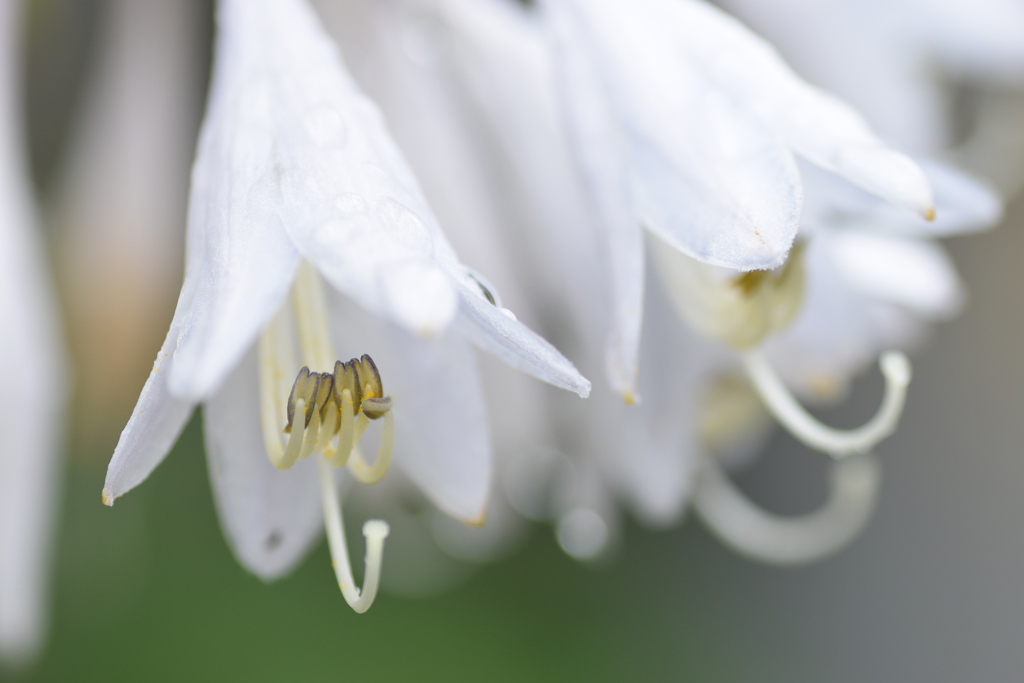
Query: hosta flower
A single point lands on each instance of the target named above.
(871, 281)
(33, 380)
(296, 182)
(687, 124)
(893, 60)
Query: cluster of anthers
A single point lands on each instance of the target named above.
(335, 410)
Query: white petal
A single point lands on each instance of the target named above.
(497, 332)
(729, 196)
(831, 337)
(815, 124)
(657, 460)
(154, 426)
(962, 204)
(344, 194)
(270, 517)
(507, 70)
(916, 274)
(442, 439)
(861, 55)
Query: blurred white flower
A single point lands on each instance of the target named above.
(685, 123)
(33, 380)
(118, 208)
(297, 179)
(627, 128)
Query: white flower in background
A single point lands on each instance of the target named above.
(118, 207)
(903, 65)
(617, 452)
(872, 281)
(296, 180)
(685, 123)
(33, 379)
(890, 59)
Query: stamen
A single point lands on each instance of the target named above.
(311, 315)
(295, 441)
(276, 353)
(801, 424)
(762, 536)
(346, 435)
(375, 531)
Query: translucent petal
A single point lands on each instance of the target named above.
(442, 439)
(916, 274)
(154, 426)
(270, 517)
(656, 459)
(817, 125)
(729, 196)
(498, 333)
(345, 196)
(246, 261)
(962, 204)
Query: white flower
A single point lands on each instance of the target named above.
(683, 85)
(33, 380)
(872, 282)
(296, 174)
(687, 124)
(890, 59)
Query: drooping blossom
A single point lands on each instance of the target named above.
(297, 183)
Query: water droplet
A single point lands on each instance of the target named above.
(350, 204)
(582, 533)
(325, 126)
(487, 290)
(404, 226)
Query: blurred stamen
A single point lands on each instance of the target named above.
(762, 536)
(805, 427)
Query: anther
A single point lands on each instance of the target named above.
(339, 406)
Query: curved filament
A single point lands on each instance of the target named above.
(375, 531)
(371, 474)
(806, 428)
(774, 539)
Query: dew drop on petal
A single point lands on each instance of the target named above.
(325, 126)
(350, 204)
(404, 226)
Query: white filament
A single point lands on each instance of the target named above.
(805, 427)
(374, 531)
(371, 474)
(773, 539)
